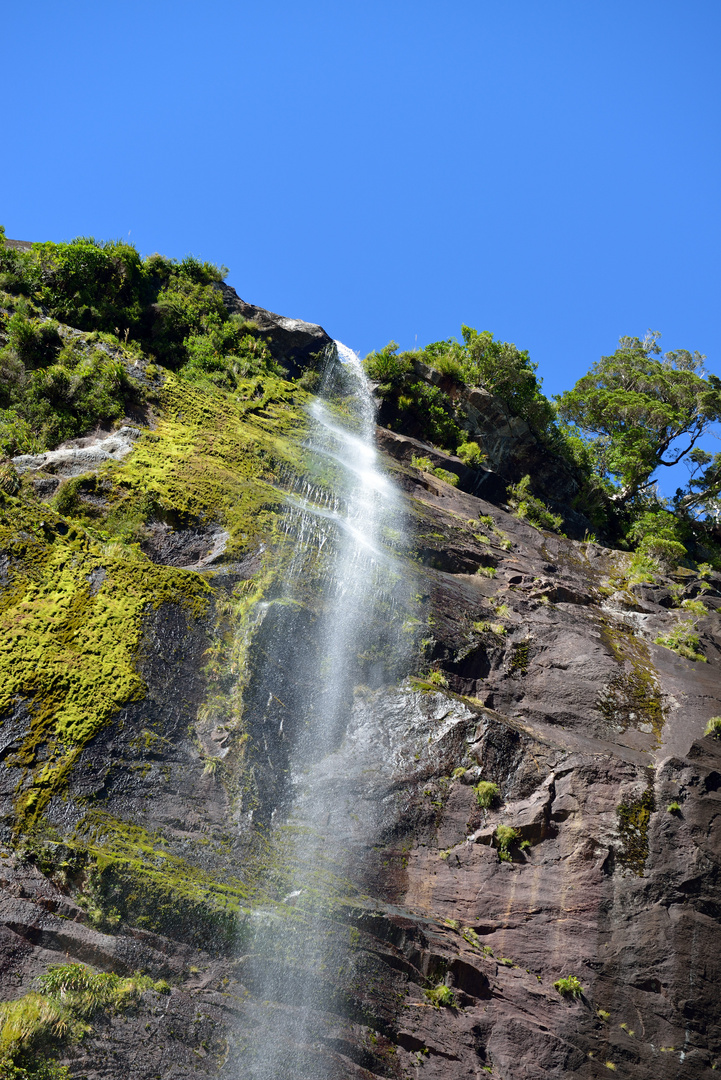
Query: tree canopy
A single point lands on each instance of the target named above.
(641, 410)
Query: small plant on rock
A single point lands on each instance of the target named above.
(713, 727)
(569, 986)
(486, 571)
(486, 791)
(528, 507)
(674, 807)
(441, 995)
(471, 455)
(505, 835)
(683, 640)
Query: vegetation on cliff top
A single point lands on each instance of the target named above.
(636, 412)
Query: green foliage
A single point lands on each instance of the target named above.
(447, 476)
(530, 508)
(505, 836)
(426, 465)
(674, 807)
(509, 374)
(683, 640)
(642, 411)
(713, 727)
(569, 986)
(429, 411)
(486, 571)
(423, 463)
(486, 792)
(603, 1015)
(58, 1010)
(441, 996)
(436, 678)
(471, 455)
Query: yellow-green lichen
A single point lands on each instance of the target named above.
(68, 647)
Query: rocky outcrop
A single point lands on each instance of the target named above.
(78, 456)
(291, 341)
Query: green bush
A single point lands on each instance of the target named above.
(667, 553)
(471, 455)
(65, 998)
(683, 640)
(486, 791)
(569, 986)
(532, 509)
(441, 995)
(713, 727)
(505, 836)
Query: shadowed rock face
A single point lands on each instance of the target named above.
(556, 693)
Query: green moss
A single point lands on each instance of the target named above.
(632, 696)
(72, 613)
(67, 648)
(633, 822)
(133, 873)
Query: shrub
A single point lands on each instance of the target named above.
(696, 607)
(471, 455)
(505, 836)
(713, 727)
(530, 508)
(486, 791)
(568, 987)
(643, 568)
(486, 571)
(683, 640)
(387, 368)
(441, 995)
(58, 1010)
(667, 553)
(437, 678)
(447, 476)
(673, 807)
(423, 463)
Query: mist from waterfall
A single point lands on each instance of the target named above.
(345, 524)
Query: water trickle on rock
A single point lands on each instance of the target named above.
(330, 635)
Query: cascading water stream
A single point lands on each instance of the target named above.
(346, 531)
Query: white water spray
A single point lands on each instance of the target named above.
(347, 531)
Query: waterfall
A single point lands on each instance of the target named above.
(329, 634)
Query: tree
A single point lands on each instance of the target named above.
(641, 410)
(507, 372)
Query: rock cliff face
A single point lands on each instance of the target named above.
(131, 801)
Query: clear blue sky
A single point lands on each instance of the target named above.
(545, 169)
